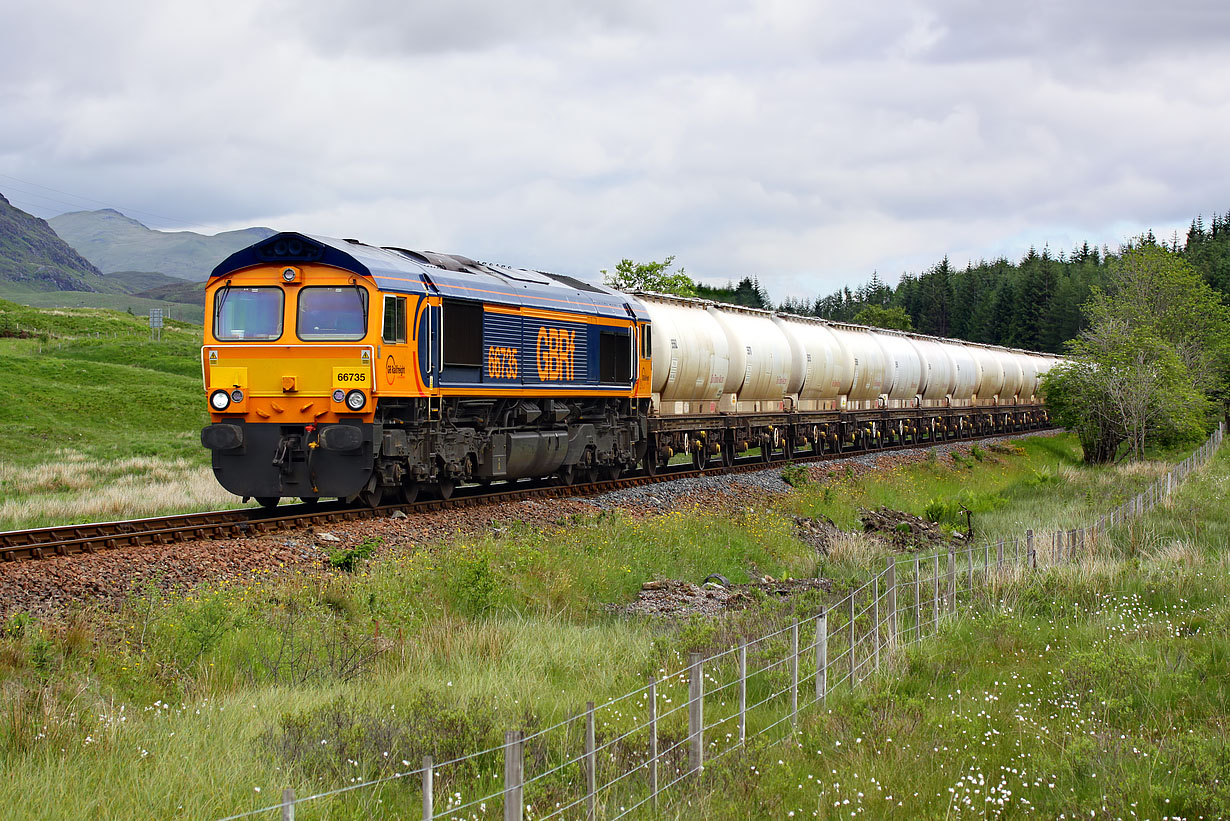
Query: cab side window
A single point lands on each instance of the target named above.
(394, 319)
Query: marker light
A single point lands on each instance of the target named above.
(236, 395)
(219, 400)
(355, 400)
(288, 274)
(339, 395)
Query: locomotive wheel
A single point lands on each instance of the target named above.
(566, 476)
(409, 492)
(310, 501)
(268, 501)
(445, 488)
(613, 472)
(372, 498)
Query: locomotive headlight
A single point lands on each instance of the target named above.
(289, 274)
(339, 395)
(236, 395)
(355, 400)
(219, 400)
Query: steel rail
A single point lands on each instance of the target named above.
(63, 540)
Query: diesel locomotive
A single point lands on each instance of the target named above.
(338, 369)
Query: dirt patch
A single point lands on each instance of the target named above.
(904, 530)
(816, 533)
(671, 598)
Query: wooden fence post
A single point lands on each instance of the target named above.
(952, 580)
(935, 591)
(653, 740)
(892, 602)
(288, 804)
(794, 673)
(999, 555)
(696, 713)
(875, 619)
(1029, 550)
(513, 776)
(822, 656)
(591, 763)
(428, 789)
(742, 690)
(917, 598)
(853, 666)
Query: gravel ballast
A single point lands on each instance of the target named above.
(51, 587)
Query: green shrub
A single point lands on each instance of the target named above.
(471, 587)
(796, 475)
(348, 559)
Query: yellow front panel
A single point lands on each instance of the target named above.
(309, 370)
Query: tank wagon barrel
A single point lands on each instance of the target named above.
(334, 368)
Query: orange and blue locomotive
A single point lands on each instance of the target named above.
(338, 369)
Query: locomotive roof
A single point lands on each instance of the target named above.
(419, 272)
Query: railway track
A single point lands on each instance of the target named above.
(64, 540)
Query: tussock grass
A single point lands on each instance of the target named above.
(78, 488)
(187, 703)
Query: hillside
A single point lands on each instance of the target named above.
(34, 258)
(114, 242)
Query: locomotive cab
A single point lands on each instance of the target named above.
(292, 338)
(338, 369)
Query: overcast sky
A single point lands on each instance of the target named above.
(806, 142)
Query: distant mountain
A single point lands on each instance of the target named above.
(148, 285)
(115, 242)
(33, 258)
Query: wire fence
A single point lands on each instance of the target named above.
(626, 753)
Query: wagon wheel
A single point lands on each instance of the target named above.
(268, 501)
(700, 457)
(445, 488)
(766, 449)
(409, 492)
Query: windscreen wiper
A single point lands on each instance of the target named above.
(362, 294)
(221, 300)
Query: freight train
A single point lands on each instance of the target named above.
(343, 370)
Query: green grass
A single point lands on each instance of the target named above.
(93, 407)
(120, 303)
(186, 702)
(1096, 690)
